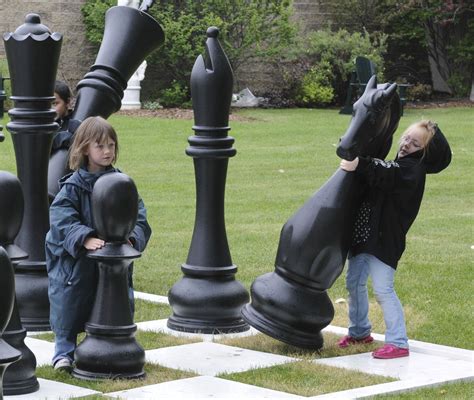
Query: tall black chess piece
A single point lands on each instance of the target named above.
(33, 53)
(19, 377)
(291, 304)
(110, 349)
(8, 354)
(129, 36)
(208, 298)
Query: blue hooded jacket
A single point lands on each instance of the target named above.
(72, 276)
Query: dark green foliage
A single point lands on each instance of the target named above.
(248, 28)
(419, 92)
(93, 12)
(315, 88)
(331, 57)
(417, 30)
(175, 96)
(4, 72)
(461, 54)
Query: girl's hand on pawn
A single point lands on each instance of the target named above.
(349, 165)
(93, 243)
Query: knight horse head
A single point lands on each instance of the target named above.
(374, 120)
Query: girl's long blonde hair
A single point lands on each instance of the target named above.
(91, 130)
(429, 129)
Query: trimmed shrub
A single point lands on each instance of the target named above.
(333, 52)
(315, 88)
(419, 92)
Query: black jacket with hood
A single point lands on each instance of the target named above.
(393, 199)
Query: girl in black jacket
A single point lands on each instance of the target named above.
(390, 206)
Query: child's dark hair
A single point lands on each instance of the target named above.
(91, 130)
(63, 91)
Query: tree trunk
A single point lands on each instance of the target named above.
(437, 57)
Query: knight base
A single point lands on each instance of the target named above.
(289, 311)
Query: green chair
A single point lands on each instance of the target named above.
(402, 93)
(3, 96)
(359, 78)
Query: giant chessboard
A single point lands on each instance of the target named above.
(427, 365)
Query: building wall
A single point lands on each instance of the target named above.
(264, 79)
(63, 16)
(309, 13)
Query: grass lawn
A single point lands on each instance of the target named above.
(283, 156)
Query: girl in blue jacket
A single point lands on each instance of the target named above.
(389, 208)
(73, 276)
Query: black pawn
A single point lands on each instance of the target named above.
(8, 354)
(208, 298)
(19, 377)
(110, 350)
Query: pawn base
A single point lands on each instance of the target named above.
(19, 377)
(109, 352)
(94, 376)
(14, 388)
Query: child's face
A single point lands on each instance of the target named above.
(411, 142)
(100, 155)
(61, 107)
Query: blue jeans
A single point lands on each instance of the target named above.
(360, 268)
(64, 346)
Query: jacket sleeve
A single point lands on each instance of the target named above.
(61, 140)
(141, 233)
(67, 232)
(388, 176)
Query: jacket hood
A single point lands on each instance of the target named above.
(438, 154)
(83, 178)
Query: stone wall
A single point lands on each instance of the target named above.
(309, 13)
(63, 16)
(264, 79)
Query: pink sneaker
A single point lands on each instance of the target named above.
(390, 351)
(347, 341)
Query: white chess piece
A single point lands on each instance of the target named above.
(129, 3)
(131, 95)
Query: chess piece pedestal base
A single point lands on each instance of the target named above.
(295, 316)
(208, 305)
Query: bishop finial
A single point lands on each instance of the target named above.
(211, 84)
(212, 32)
